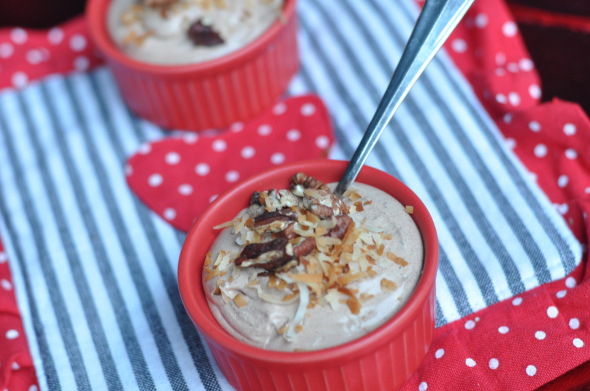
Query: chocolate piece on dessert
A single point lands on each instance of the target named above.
(202, 34)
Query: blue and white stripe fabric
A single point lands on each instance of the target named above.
(95, 270)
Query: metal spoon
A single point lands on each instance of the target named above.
(435, 23)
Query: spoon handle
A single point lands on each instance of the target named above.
(435, 23)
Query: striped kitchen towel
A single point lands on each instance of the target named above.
(95, 270)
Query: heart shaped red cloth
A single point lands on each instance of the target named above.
(178, 177)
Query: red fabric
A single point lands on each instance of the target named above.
(178, 177)
(551, 139)
(16, 365)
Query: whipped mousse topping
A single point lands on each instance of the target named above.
(175, 32)
(301, 269)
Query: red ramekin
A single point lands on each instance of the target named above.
(207, 95)
(381, 360)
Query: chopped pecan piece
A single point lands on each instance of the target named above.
(158, 3)
(288, 232)
(274, 200)
(300, 182)
(202, 34)
(304, 247)
(269, 255)
(323, 204)
(274, 221)
(342, 224)
(255, 208)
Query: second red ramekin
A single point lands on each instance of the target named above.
(381, 360)
(207, 95)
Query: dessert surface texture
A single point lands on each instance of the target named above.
(177, 32)
(301, 269)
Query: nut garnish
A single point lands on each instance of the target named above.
(311, 247)
(202, 33)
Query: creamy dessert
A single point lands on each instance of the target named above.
(301, 269)
(175, 32)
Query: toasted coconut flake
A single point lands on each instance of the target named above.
(282, 285)
(321, 231)
(400, 261)
(289, 335)
(290, 297)
(359, 206)
(409, 209)
(368, 202)
(252, 283)
(365, 297)
(208, 259)
(227, 224)
(355, 196)
(272, 282)
(307, 277)
(386, 236)
(298, 328)
(387, 285)
(273, 299)
(353, 303)
(211, 275)
(283, 329)
(240, 300)
(345, 279)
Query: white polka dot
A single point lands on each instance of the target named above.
(277, 158)
(459, 45)
(526, 64)
(510, 143)
(574, 323)
(540, 335)
(33, 388)
(514, 98)
(578, 342)
(481, 20)
(185, 189)
(470, 362)
(81, 63)
(78, 42)
(503, 329)
(6, 284)
(12, 334)
(20, 79)
(587, 190)
(517, 301)
(248, 152)
(293, 135)
(423, 386)
(190, 138)
(531, 370)
(172, 158)
(509, 29)
(232, 176)
(439, 353)
(307, 109)
(6, 50)
(535, 91)
(322, 142)
(264, 130)
(552, 312)
(18, 36)
(500, 58)
(155, 180)
(202, 169)
(561, 294)
(236, 127)
(540, 150)
(15, 366)
(213, 198)
(569, 129)
(507, 118)
(145, 149)
(34, 56)
(494, 363)
(500, 71)
(219, 145)
(570, 282)
(3, 257)
(562, 181)
(55, 35)
(561, 208)
(279, 108)
(501, 98)
(169, 214)
(534, 126)
(470, 324)
(533, 176)
(571, 153)
(512, 67)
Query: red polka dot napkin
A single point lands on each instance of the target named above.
(178, 177)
